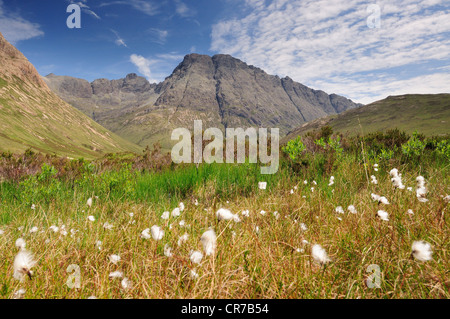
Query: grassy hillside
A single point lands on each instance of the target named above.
(427, 113)
(34, 117)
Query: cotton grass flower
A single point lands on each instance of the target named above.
(263, 212)
(98, 244)
(193, 274)
(34, 230)
(33, 207)
(20, 243)
(339, 210)
(19, 293)
(157, 232)
(262, 185)
(319, 254)
(447, 198)
(108, 226)
(114, 259)
(89, 202)
(195, 256)
(331, 181)
(276, 215)
(54, 228)
(176, 212)
(145, 234)
(421, 250)
(2, 232)
(23, 262)
(225, 214)
(167, 251)
(126, 283)
(116, 274)
(373, 179)
(181, 206)
(383, 215)
(209, 242)
(352, 209)
(91, 218)
(165, 215)
(245, 213)
(421, 190)
(303, 227)
(184, 238)
(182, 223)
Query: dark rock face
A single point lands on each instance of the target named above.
(220, 90)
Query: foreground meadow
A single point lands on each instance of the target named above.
(135, 233)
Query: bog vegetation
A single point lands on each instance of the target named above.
(360, 217)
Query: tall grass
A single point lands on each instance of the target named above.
(273, 262)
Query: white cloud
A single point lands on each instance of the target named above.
(15, 28)
(183, 10)
(119, 41)
(143, 66)
(147, 7)
(327, 44)
(85, 8)
(158, 35)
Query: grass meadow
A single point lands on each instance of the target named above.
(74, 215)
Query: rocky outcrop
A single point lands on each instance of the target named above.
(220, 90)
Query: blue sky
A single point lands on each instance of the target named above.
(334, 45)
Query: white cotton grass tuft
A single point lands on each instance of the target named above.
(303, 227)
(262, 185)
(126, 283)
(193, 274)
(89, 202)
(396, 179)
(165, 215)
(20, 243)
(181, 206)
(375, 167)
(116, 274)
(195, 256)
(23, 262)
(383, 215)
(108, 226)
(209, 242)
(157, 232)
(91, 218)
(226, 214)
(263, 212)
(114, 259)
(98, 244)
(19, 293)
(331, 181)
(421, 190)
(54, 228)
(276, 214)
(421, 250)
(352, 209)
(167, 251)
(410, 212)
(33, 207)
(373, 179)
(146, 233)
(245, 213)
(319, 254)
(446, 198)
(1, 231)
(339, 210)
(176, 212)
(184, 238)
(34, 229)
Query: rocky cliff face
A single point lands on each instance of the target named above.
(220, 90)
